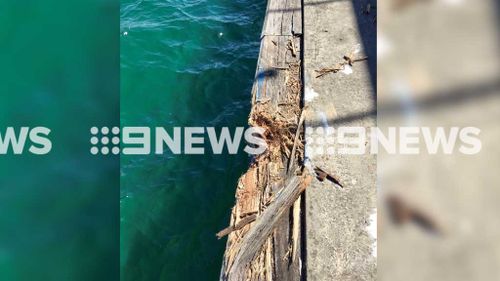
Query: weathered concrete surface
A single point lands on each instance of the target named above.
(340, 223)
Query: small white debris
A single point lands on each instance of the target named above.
(221, 34)
(372, 230)
(310, 94)
(347, 69)
(357, 48)
(125, 33)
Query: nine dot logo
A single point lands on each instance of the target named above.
(109, 141)
(320, 141)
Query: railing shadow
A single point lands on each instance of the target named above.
(432, 101)
(367, 28)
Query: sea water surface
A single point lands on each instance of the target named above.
(59, 211)
(183, 63)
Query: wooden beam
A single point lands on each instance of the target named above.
(242, 223)
(260, 231)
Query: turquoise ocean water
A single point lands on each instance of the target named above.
(59, 213)
(183, 63)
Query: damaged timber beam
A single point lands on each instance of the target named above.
(257, 235)
(264, 233)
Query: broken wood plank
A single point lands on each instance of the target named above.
(242, 223)
(255, 238)
(296, 17)
(283, 18)
(276, 107)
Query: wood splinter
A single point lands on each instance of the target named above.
(292, 48)
(321, 175)
(242, 223)
(348, 59)
(296, 140)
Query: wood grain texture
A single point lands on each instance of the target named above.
(255, 238)
(267, 249)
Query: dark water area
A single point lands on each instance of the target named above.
(183, 63)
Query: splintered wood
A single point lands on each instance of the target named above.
(348, 60)
(264, 231)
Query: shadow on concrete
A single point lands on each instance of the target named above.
(434, 100)
(367, 27)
